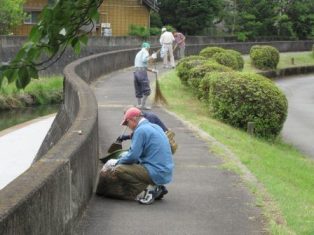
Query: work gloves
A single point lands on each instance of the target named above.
(123, 138)
(155, 71)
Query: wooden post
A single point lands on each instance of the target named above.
(292, 60)
(250, 128)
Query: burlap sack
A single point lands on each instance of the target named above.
(170, 134)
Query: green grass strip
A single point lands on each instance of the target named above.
(46, 90)
(286, 174)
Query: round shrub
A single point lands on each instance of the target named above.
(197, 73)
(264, 57)
(184, 67)
(226, 59)
(238, 98)
(208, 52)
(238, 57)
(191, 57)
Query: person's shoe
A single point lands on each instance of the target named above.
(164, 191)
(139, 106)
(146, 108)
(150, 196)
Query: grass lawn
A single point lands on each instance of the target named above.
(285, 173)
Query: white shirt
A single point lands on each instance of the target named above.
(141, 58)
(166, 38)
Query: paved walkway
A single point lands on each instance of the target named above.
(299, 126)
(202, 199)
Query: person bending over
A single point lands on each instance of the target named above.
(142, 171)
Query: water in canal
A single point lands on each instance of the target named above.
(11, 118)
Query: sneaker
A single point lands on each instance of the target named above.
(164, 191)
(146, 108)
(150, 196)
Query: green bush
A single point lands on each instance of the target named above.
(154, 31)
(191, 57)
(208, 52)
(197, 73)
(239, 58)
(139, 31)
(313, 49)
(238, 98)
(264, 57)
(226, 59)
(184, 67)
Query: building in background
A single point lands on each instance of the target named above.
(115, 16)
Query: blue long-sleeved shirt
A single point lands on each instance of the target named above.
(150, 148)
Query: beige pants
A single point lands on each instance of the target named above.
(125, 182)
(169, 52)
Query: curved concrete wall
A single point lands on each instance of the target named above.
(52, 193)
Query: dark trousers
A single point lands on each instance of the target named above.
(141, 84)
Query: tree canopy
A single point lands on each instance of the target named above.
(61, 25)
(11, 14)
(190, 16)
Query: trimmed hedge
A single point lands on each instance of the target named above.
(197, 73)
(230, 58)
(208, 52)
(264, 57)
(238, 98)
(226, 59)
(238, 57)
(187, 63)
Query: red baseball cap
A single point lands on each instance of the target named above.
(130, 113)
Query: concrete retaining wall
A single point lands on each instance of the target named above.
(51, 195)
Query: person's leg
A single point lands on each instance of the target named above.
(165, 60)
(182, 50)
(146, 91)
(138, 87)
(170, 50)
(135, 179)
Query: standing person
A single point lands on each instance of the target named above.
(166, 40)
(180, 41)
(141, 82)
(143, 170)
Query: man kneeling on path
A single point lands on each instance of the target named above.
(143, 170)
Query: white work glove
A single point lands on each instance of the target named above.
(111, 162)
(154, 55)
(110, 165)
(155, 71)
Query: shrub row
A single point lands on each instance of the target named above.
(230, 58)
(234, 97)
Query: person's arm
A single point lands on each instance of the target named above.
(135, 151)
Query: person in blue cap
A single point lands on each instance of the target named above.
(141, 82)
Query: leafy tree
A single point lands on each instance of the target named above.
(11, 14)
(61, 24)
(190, 16)
(301, 14)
